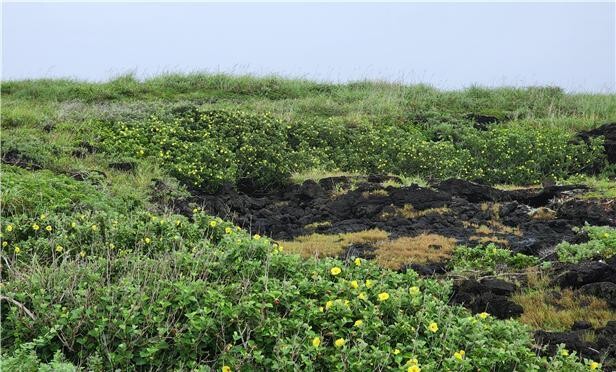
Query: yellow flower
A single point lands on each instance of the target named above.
(17, 250)
(414, 291)
(396, 351)
(335, 270)
(484, 315)
(257, 236)
(321, 308)
(94, 227)
(329, 304)
(73, 224)
(414, 368)
(213, 223)
(35, 227)
(413, 362)
(82, 254)
(111, 246)
(369, 283)
(9, 228)
(606, 235)
(5, 243)
(359, 323)
(228, 230)
(147, 240)
(433, 327)
(357, 261)
(316, 342)
(177, 222)
(48, 228)
(59, 248)
(459, 355)
(226, 369)
(384, 296)
(340, 342)
(361, 296)
(196, 210)
(43, 216)
(280, 248)
(564, 352)
(354, 284)
(594, 365)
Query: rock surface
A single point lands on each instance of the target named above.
(491, 296)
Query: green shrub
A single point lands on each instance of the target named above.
(217, 297)
(601, 243)
(489, 259)
(521, 154)
(28, 361)
(207, 149)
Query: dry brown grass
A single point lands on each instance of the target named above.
(316, 225)
(506, 187)
(340, 190)
(409, 212)
(489, 239)
(389, 253)
(484, 230)
(552, 309)
(374, 193)
(544, 311)
(393, 254)
(543, 214)
(493, 227)
(494, 209)
(320, 245)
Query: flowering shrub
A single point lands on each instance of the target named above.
(205, 149)
(601, 243)
(144, 291)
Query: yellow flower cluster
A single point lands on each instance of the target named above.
(459, 355)
(316, 342)
(413, 365)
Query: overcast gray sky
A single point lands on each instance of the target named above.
(448, 45)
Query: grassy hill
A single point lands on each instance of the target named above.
(101, 270)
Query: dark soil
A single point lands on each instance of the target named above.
(284, 214)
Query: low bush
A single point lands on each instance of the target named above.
(489, 259)
(151, 293)
(601, 244)
(205, 149)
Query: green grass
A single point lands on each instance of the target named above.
(296, 99)
(600, 187)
